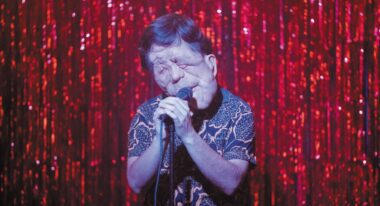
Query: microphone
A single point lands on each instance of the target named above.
(185, 93)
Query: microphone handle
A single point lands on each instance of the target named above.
(163, 117)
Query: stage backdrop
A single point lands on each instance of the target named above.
(71, 80)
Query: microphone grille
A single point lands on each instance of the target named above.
(185, 93)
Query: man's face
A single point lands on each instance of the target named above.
(178, 66)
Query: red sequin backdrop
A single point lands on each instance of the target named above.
(71, 80)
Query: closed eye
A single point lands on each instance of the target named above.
(183, 66)
(160, 68)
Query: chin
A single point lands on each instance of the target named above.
(201, 107)
(204, 100)
(202, 103)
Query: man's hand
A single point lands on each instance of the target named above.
(180, 112)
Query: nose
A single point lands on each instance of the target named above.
(176, 73)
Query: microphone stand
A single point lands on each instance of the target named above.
(171, 160)
(185, 93)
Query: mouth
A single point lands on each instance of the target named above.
(193, 100)
(194, 88)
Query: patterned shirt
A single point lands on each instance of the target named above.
(226, 126)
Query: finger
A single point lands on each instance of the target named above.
(175, 103)
(174, 107)
(184, 105)
(171, 114)
(158, 113)
(160, 128)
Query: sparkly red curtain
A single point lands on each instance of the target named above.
(71, 80)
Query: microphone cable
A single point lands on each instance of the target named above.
(159, 164)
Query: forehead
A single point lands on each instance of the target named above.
(181, 51)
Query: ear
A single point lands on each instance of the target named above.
(211, 63)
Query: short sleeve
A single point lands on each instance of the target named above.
(241, 141)
(140, 135)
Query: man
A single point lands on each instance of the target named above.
(214, 131)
